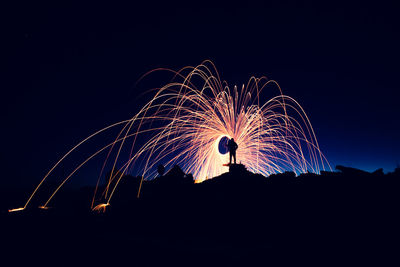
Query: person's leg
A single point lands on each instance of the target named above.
(234, 157)
(230, 157)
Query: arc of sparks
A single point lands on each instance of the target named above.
(184, 122)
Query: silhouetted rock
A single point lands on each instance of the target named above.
(175, 176)
(378, 172)
(237, 169)
(350, 171)
(189, 177)
(175, 172)
(161, 169)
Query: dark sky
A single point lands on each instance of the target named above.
(69, 69)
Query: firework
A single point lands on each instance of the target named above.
(185, 122)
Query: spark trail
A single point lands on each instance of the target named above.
(186, 119)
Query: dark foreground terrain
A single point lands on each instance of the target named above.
(348, 217)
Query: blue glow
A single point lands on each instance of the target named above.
(223, 145)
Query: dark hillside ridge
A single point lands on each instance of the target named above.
(237, 215)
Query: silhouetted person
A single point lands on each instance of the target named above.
(161, 170)
(232, 146)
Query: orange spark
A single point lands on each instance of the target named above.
(17, 209)
(101, 208)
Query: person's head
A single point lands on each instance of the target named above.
(233, 139)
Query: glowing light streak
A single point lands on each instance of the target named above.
(17, 209)
(192, 113)
(101, 208)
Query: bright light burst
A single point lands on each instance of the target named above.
(185, 120)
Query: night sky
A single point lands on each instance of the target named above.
(71, 69)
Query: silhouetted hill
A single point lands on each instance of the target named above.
(238, 215)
